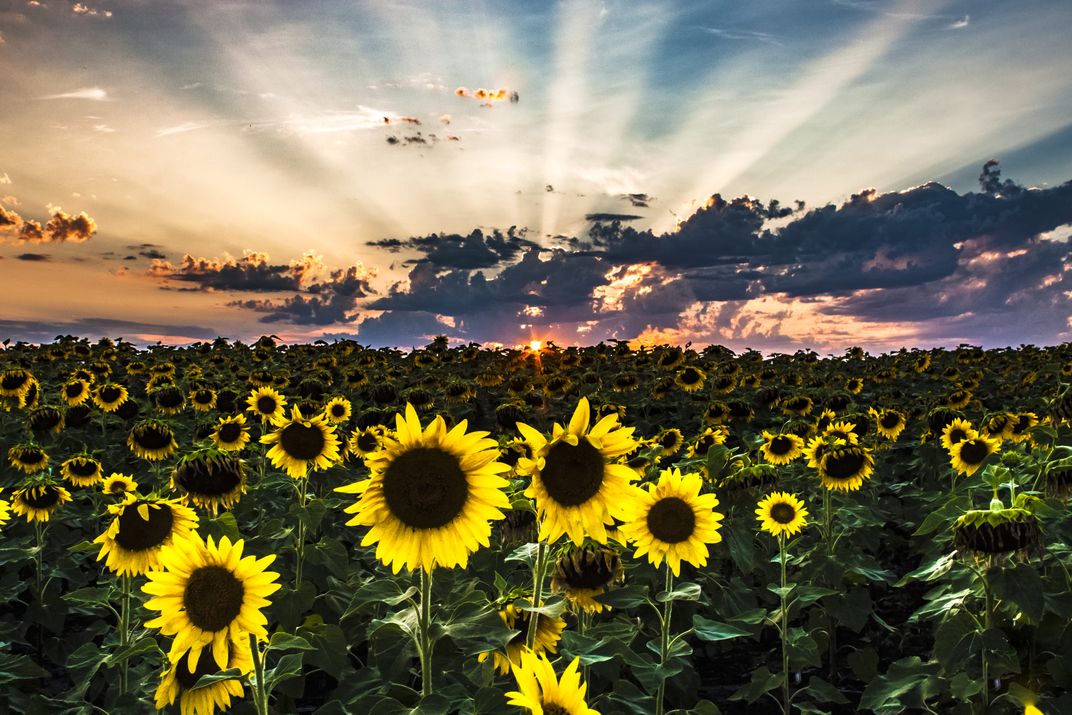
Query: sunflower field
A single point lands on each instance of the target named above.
(267, 528)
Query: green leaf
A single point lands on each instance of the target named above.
(1021, 586)
(955, 641)
(206, 680)
(143, 647)
(931, 571)
(712, 631)
(89, 596)
(289, 666)
(824, 692)
(683, 592)
(14, 668)
(763, 681)
(286, 641)
(907, 681)
(717, 457)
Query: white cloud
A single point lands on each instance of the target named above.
(94, 93)
(5, 179)
(961, 23)
(83, 9)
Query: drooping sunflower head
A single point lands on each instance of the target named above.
(230, 433)
(582, 575)
(38, 502)
(211, 479)
(14, 382)
(169, 399)
(139, 530)
(576, 480)
(548, 633)
(431, 494)
(781, 448)
(671, 520)
(152, 440)
(44, 421)
(845, 467)
(724, 384)
(690, 378)
(889, 423)
(82, 470)
(541, 691)
(968, 455)
(337, 410)
(998, 530)
(110, 396)
(799, 405)
(301, 445)
(119, 485)
(268, 404)
(179, 680)
(958, 430)
(208, 595)
(27, 457)
(781, 513)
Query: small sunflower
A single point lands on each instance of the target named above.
(208, 596)
(967, 455)
(690, 378)
(854, 385)
(578, 490)
(548, 634)
(431, 494)
(337, 410)
(141, 528)
(152, 440)
(75, 391)
(231, 433)
(38, 502)
(210, 479)
(27, 457)
(45, 420)
(300, 445)
(582, 575)
(889, 423)
(5, 510)
(799, 405)
(672, 520)
(203, 399)
(119, 484)
(706, 440)
(844, 429)
(542, 693)
(364, 442)
(267, 403)
(844, 466)
(781, 448)
(30, 398)
(1021, 426)
(82, 470)
(670, 440)
(169, 399)
(781, 513)
(110, 396)
(178, 681)
(957, 431)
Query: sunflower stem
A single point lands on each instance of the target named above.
(424, 645)
(989, 607)
(124, 630)
(664, 639)
(784, 630)
(39, 534)
(260, 697)
(538, 574)
(299, 543)
(582, 629)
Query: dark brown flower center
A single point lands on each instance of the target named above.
(206, 665)
(230, 432)
(266, 404)
(554, 709)
(44, 497)
(73, 389)
(780, 445)
(572, 475)
(973, 451)
(213, 598)
(957, 435)
(83, 467)
(783, 513)
(30, 456)
(138, 534)
(587, 569)
(209, 479)
(671, 520)
(843, 463)
(890, 420)
(110, 394)
(425, 488)
(338, 410)
(302, 441)
(367, 442)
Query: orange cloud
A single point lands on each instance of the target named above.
(61, 227)
(488, 97)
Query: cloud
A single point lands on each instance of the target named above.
(488, 97)
(35, 331)
(638, 200)
(32, 257)
(327, 302)
(254, 272)
(609, 217)
(95, 94)
(61, 227)
(5, 179)
(960, 24)
(742, 35)
(473, 251)
(83, 9)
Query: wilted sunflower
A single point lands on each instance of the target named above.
(542, 693)
(337, 410)
(39, 501)
(673, 521)
(781, 513)
(231, 433)
(956, 432)
(267, 403)
(208, 596)
(141, 528)
(431, 494)
(582, 575)
(27, 457)
(999, 530)
(577, 489)
(211, 479)
(969, 454)
(781, 448)
(203, 399)
(82, 470)
(119, 484)
(548, 633)
(690, 378)
(110, 396)
(178, 681)
(75, 392)
(152, 440)
(889, 423)
(844, 467)
(300, 445)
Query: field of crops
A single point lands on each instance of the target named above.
(334, 529)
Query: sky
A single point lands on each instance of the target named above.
(772, 175)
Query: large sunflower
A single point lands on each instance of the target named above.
(844, 467)
(431, 494)
(781, 513)
(231, 433)
(14, 382)
(267, 403)
(152, 440)
(781, 448)
(958, 430)
(179, 679)
(300, 445)
(968, 455)
(208, 596)
(577, 489)
(542, 693)
(548, 634)
(672, 520)
(141, 528)
(82, 470)
(38, 502)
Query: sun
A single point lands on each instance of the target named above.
(536, 345)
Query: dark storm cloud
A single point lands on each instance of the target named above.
(32, 257)
(641, 201)
(477, 250)
(610, 217)
(326, 302)
(392, 329)
(253, 272)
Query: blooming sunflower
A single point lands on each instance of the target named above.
(82, 470)
(210, 478)
(168, 399)
(203, 399)
(781, 513)
(968, 455)
(300, 445)
(38, 502)
(706, 440)
(208, 596)
(178, 681)
(110, 396)
(844, 429)
(672, 520)
(1019, 430)
(690, 379)
(957, 431)
(119, 484)
(582, 575)
(337, 410)
(577, 489)
(231, 433)
(670, 440)
(844, 467)
(15, 382)
(431, 494)
(889, 423)
(152, 440)
(548, 634)
(364, 442)
(27, 457)
(5, 510)
(542, 693)
(75, 392)
(141, 528)
(781, 448)
(267, 403)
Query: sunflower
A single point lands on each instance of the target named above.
(690, 379)
(38, 502)
(854, 385)
(110, 396)
(300, 445)
(578, 491)
(27, 457)
(958, 399)
(45, 420)
(141, 528)
(799, 405)
(203, 399)
(431, 494)
(208, 596)
(231, 433)
(670, 440)
(845, 466)
(999, 426)
(781, 513)
(889, 423)
(672, 520)
(267, 403)
(548, 633)
(30, 398)
(152, 440)
(337, 410)
(168, 399)
(5, 510)
(844, 429)
(542, 693)
(210, 478)
(82, 470)
(781, 448)
(119, 484)
(705, 440)
(957, 431)
(582, 575)
(716, 413)
(15, 382)
(364, 442)
(967, 455)
(75, 391)
(178, 681)
(1020, 426)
